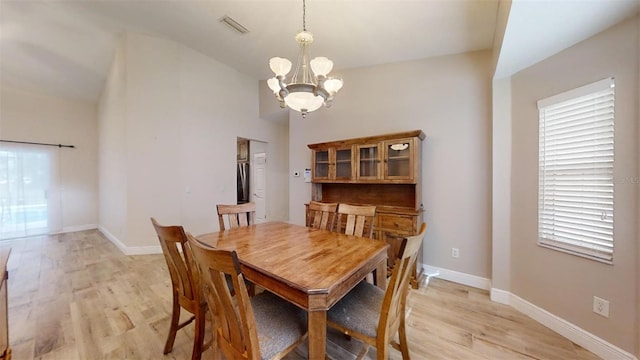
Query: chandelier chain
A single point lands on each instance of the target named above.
(304, 17)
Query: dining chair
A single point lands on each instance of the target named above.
(250, 328)
(237, 215)
(373, 315)
(321, 215)
(185, 282)
(357, 219)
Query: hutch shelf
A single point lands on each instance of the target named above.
(379, 170)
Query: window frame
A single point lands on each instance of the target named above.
(576, 187)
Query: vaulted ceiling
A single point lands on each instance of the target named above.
(66, 47)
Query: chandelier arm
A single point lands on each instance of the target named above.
(321, 79)
(328, 102)
(283, 88)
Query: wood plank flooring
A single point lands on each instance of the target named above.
(76, 296)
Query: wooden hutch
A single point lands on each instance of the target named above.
(382, 170)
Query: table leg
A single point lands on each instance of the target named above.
(317, 334)
(381, 275)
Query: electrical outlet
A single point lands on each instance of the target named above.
(455, 253)
(601, 306)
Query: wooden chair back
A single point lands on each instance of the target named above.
(237, 215)
(177, 254)
(235, 332)
(392, 314)
(321, 215)
(353, 314)
(185, 281)
(356, 219)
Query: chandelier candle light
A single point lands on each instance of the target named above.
(309, 87)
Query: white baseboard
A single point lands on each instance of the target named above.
(68, 229)
(570, 331)
(130, 250)
(501, 296)
(430, 271)
(458, 277)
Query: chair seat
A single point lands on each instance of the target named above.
(279, 323)
(360, 309)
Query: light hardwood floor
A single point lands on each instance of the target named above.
(76, 296)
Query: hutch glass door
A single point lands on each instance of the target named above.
(368, 160)
(343, 163)
(321, 166)
(398, 159)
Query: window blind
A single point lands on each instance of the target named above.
(575, 178)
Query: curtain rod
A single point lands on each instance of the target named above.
(36, 143)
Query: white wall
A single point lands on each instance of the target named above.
(181, 115)
(112, 150)
(28, 116)
(501, 168)
(449, 98)
(562, 284)
(501, 188)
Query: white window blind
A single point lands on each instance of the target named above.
(575, 175)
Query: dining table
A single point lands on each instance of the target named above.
(308, 267)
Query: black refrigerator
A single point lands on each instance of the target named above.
(243, 182)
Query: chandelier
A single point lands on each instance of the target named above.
(309, 87)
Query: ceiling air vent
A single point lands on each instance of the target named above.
(234, 24)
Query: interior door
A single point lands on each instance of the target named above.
(259, 186)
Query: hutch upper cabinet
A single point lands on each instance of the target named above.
(379, 170)
(371, 160)
(333, 164)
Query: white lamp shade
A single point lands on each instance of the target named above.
(280, 66)
(333, 85)
(274, 85)
(303, 100)
(321, 66)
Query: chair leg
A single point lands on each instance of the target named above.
(198, 338)
(402, 337)
(251, 288)
(382, 349)
(173, 329)
(214, 335)
(370, 278)
(217, 354)
(363, 351)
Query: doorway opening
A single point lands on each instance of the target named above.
(243, 172)
(251, 175)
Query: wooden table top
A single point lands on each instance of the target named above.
(309, 260)
(310, 268)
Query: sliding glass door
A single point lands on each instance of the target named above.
(29, 201)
